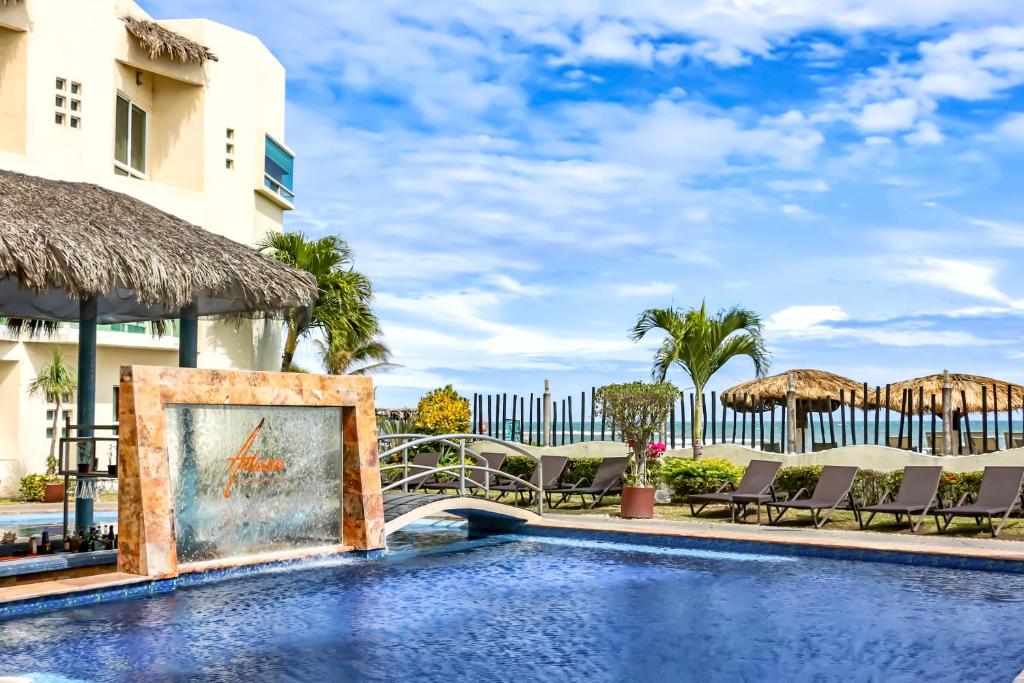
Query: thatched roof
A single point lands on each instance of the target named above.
(817, 386)
(61, 242)
(968, 384)
(158, 40)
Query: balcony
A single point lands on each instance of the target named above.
(278, 172)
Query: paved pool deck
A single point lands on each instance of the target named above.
(13, 509)
(932, 544)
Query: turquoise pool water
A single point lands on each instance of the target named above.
(440, 607)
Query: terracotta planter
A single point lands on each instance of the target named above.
(54, 493)
(637, 502)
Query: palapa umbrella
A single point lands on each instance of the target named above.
(801, 390)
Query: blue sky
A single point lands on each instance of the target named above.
(520, 180)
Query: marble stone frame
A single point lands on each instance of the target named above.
(146, 544)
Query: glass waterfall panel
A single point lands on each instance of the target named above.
(250, 479)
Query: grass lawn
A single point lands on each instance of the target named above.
(963, 527)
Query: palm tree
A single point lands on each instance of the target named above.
(701, 346)
(354, 357)
(343, 304)
(56, 381)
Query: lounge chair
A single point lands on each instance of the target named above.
(999, 495)
(832, 490)
(476, 479)
(420, 462)
(918, 493)
(980, 444)
(1015, 440)
(607, 480)
(553, 465)
(755, 487)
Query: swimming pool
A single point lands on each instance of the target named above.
(440, 607)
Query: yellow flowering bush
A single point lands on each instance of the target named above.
(442, 411)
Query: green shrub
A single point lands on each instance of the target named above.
(685, 476)
(792, 479)
(33, 486)
(576, 469)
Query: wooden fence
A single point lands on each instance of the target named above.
(867, 416)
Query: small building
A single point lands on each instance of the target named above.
(186, 115)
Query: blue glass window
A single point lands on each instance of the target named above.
(278, 169)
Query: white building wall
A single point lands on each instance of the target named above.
(190, 109)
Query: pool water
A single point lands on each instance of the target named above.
(440, 607)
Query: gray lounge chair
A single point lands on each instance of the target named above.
(999, 495)
(607, 480)
(420, 462)
(476, 479)
(755, 487)
(919, 493)
(832, 490)
(553, 465)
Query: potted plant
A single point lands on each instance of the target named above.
(638, 409)
(54, 486)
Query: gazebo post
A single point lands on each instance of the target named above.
(791, 417)
(947, 414)
(188, 337)
(86, 412)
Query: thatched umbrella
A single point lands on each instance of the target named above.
(819, 390)
(802, 391)
(962, 385)
(80, 252)
(956, 395)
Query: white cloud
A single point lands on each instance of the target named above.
(926, 133)
(649, 289)
(801, 185)
(809, 323)
(1011, 128)
(882, 117)
(1011, 234)
(970, 278)
(793, 210)
(510, 284)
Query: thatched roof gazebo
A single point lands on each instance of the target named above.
(998, 394)
(816, 389)
(62, 243)
(80, 252)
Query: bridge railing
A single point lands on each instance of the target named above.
(459, 442)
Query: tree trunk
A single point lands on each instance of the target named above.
(290, 342)
(698, 419)
(55, 434)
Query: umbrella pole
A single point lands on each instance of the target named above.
(947, 414)
(86, 410)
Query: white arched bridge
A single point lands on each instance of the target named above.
(457, 476)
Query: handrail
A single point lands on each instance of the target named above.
(453, 468)
(458, 441)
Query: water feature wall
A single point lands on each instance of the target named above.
(219, 468)
(251, 479)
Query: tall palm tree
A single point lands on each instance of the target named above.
(350, 357)
(56, 381)
(342, 306)
(701, 346)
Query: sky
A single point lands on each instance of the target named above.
(522, 179)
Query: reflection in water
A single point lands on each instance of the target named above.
(247, 479)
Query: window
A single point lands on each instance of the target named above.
(116, 401)
(76, 88)
(61, 84)
(75, 122)
(129, 138)
(278, 167)
(59, 101)
(76, 105)
(58, 118)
